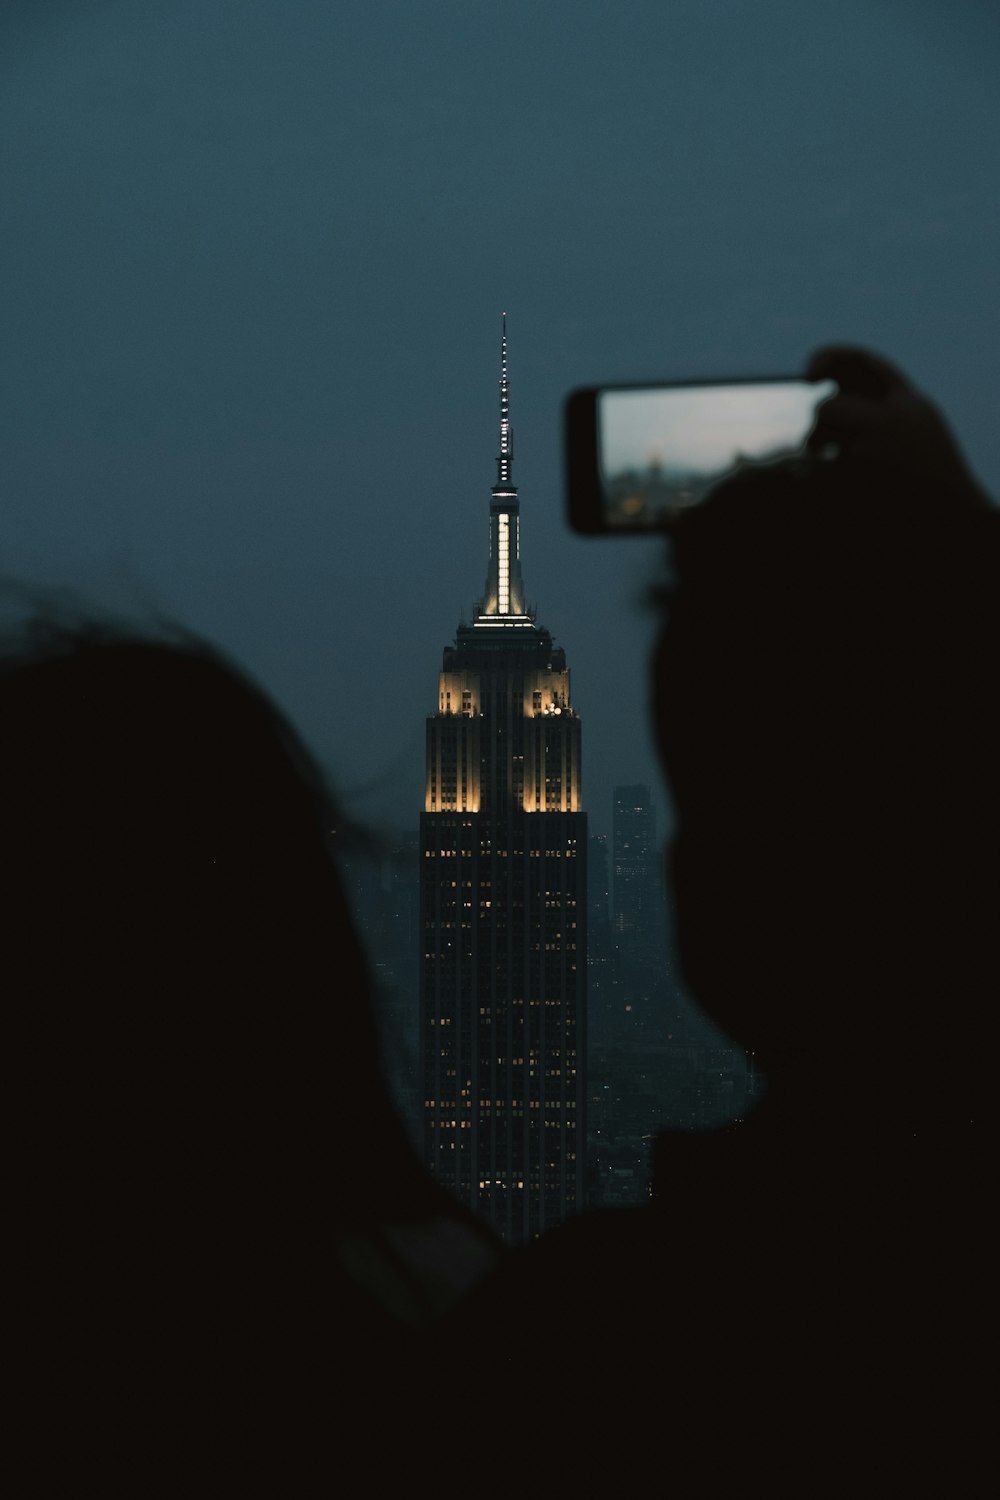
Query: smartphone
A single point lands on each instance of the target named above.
(637, 456)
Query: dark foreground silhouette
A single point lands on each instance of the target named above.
(804, 1306)
(226, 1249)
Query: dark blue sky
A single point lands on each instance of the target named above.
(255, 252)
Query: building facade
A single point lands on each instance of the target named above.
(504, 904)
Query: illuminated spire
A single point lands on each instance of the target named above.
(503, 601)
(506, 455)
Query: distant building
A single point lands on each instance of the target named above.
(603, 996)
(637, 891)
(504, 905)
(598, 893)
(654, 1061)
(638, 908)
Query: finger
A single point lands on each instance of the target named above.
(847, 413)
(842, 419)
(858, 370)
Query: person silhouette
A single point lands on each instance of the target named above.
(802, 1292)
(826, 729)
(228, 1245)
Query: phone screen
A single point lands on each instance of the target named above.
(662, 449)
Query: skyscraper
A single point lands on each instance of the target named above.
(504, 904)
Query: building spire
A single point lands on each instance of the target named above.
(506, 455)
(503, 601)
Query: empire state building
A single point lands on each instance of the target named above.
(503, 904)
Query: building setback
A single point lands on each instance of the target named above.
(504, 905)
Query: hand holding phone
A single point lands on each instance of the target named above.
(880, 420)
(638, 456)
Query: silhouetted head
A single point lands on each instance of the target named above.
(177, 936)
(199, 1113)
(825, 690)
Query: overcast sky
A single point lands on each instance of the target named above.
(253, 261)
